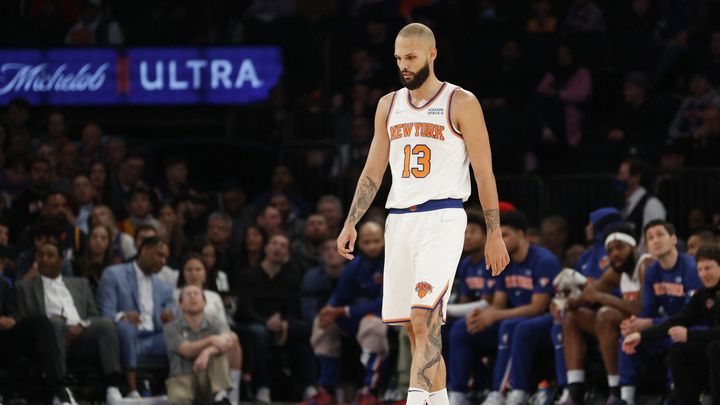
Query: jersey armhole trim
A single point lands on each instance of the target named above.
(392, 104)
(449, 117)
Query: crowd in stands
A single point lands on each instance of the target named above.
(236, 291)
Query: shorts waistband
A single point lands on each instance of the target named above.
(430, 205)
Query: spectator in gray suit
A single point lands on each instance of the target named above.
(79, 330)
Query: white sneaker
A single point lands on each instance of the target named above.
(516, 397)
(493, 398)
(263, 395)
(458, 398)
(113, 396)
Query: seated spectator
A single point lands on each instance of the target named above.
(689, 120)
(83, 197)
(96, 257)
(133, 296)
(283, 180)
(32, 336)
(557, 109)
(636, 124)
(331, 208)
(173, 233)
(306, 249)
(217, 279)
(194, 274)
(319, 282)
(667, 286)
(27, 205)
(139, 211)
(293, 224)
(98, 174)
(198, 348)
(41, 232)
(269, 304)
(598, 312)
(219, 230)
(127, 177)
(123, 245)
(354, 309)
(167, 275)
(234, 203)
(92, 143)
(175, 182)
(554, 234)
(542, 21)
(269, 220)
(695, 353)
(79, 330)
(698, 239)
(584, 16)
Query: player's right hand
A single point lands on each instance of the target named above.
(346, 241)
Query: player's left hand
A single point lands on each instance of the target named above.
(678, 334)
(496, 254)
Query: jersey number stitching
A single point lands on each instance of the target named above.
(423, 161)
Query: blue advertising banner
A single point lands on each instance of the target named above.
(143, 76)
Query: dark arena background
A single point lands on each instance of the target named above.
(147, 146)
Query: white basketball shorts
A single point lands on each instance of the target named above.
(423, 245)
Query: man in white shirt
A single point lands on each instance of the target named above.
(140, 303)
(640, 206)
(80, 332)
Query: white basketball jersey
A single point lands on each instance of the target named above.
(428, 157)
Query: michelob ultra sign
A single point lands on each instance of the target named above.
(108, 76)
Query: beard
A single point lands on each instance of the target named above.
(628, 266)
(418, 78)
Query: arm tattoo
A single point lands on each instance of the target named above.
(432, 354)
(492, 219)
(364, 196)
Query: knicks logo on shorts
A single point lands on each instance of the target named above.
(423, 289)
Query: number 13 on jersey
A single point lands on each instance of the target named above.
(422, 168)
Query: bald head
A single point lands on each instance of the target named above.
(420, 32)
(371, 240)
(415, 54)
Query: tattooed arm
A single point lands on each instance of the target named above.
(370, 179)
(471, 123)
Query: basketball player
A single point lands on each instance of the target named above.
(429, 131)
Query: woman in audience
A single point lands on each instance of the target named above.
(97, 255)
(98, 175)
(194, 273)
(123, 245)
(173, 234)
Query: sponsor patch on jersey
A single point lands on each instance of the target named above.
(436, 111)
(423, 288)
